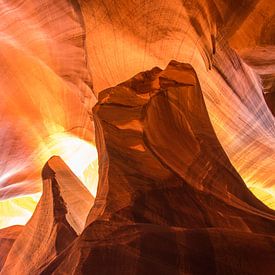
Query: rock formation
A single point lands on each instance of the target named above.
(7, 237)
(180, 147)
(58, 218)
(132, 36)
(45, 86)
(169, 200)
(67, 43)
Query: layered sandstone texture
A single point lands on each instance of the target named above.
(57, 57)
(58, 218)
(169, 200)
(231, 46)
(44, 86)
(7, 237)
(180, 148)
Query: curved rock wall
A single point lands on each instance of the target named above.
(130, 37)
(168, 193)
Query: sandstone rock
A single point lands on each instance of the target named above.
(200, 32)
(58, 218)
(7, 237)
(65, 43)
(45, 85)
(169, 201)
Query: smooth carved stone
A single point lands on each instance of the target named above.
(42, 48)
(7, 237)
(169, 201)
(58, 218)
(120, 45)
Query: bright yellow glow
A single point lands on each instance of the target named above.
(78, 154)
(17, 210)
(265, 195)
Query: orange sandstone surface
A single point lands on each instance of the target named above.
(169, 201)
(153, 125)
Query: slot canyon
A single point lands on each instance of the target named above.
(137, 137)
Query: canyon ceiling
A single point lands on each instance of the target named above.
(137, 137)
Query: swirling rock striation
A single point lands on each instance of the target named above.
(169, 201)
(44, 86)
(230, 44)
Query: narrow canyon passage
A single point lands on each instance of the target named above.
(137, 137)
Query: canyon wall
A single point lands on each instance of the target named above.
(169, 201)
(131, 36)
(44, 83)
(183, 145)
(7, 237)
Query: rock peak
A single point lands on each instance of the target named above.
(58, 218)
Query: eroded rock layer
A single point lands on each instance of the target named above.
(49, 52)
(128, 37)
(7, 237)
(169, 200)
(58, 218)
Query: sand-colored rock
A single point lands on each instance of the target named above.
(7, 237)
(57, 220)
(129, 37)
(54, 49)
(169, 200)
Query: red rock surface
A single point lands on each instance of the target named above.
(178, 147)
(54, 49)
(58, 218)
(7, 237)
(169, 200)
(229, 44)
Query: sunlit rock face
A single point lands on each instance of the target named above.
(58, 218)
(176, 147)
(45, 89)
(50, 51)
(169, 200)
(129, 37)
